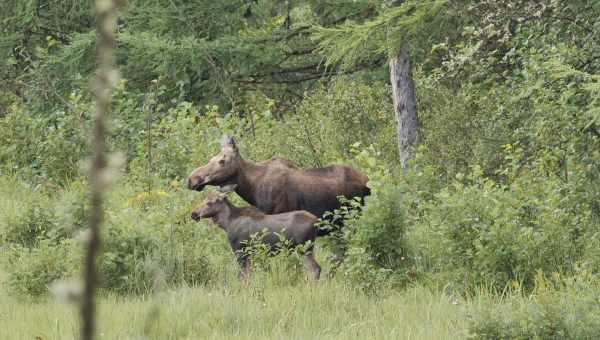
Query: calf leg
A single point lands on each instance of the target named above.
(312, 266)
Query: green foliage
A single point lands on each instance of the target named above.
(71, 208)
(354, 44)
(373, 240)
(502, 190)
(38, 234)
(194, 255)
(149, 235)
(173, 140)
(457, 129)
(44, 148)
(26, 228)
(30, 215)
(125, 263)
(348, 112)
(31, 270)
(492, 234)
(281, 266)
(326, 124)
(381, 227)
(146, 236)
(560, 309)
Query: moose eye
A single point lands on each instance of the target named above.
(221, 162)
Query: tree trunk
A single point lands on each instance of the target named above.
(405, 104)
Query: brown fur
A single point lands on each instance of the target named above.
(240, 224)
(277, 185)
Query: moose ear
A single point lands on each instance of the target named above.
(227, 188)
(228, 140)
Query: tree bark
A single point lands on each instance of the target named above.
(405, 104)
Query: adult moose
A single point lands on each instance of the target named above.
(277, 185)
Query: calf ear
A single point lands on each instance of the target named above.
(228, 140)
(227, 188)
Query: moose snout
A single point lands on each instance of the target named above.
(195, 182)
(195, 216)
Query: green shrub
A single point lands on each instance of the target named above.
(486, 233)
(331, 120)
(374, 239)
(71, 208)
(125, 262)
(459, 129)
(145, 235)
(34, 215)
(324, 126)
(33, 224)
(31, 270)
(46, 147)
(148, 234)
(26, 216)
(180, 140)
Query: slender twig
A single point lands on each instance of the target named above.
(106, 19)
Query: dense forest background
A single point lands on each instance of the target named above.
(502, 189)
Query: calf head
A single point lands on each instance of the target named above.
(220, 170)
(211, 206)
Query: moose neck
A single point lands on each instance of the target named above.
(224, 217)
(246, 183)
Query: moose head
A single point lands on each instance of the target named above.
(213, 203)
(220, 170)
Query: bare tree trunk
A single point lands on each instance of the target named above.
(405, 104)
(106, 76)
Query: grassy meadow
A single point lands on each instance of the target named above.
(323, 310)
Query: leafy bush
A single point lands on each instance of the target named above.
(34, 215)
(354, 112)
(125, 263)
(27, 227)
(150, 233)
(194, 253)
(486, 233)
(145, 235)
(173, 139)
(44, 147)
(31, 270)
(71, 208)
(326, 124)
(458, 129)
(374, 239)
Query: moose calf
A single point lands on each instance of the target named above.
(240, 224)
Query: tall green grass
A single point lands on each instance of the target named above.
(323, 310)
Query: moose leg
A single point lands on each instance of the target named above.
(312, 266)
